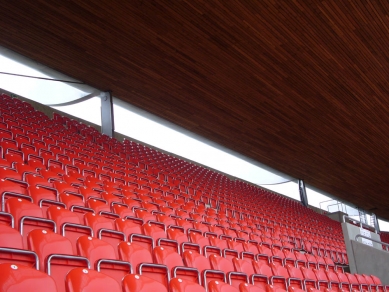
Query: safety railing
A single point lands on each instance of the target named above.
(374, 240)
(361, 224)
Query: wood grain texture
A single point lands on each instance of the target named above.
(301, 86)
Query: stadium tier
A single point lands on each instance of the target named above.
(81, 211)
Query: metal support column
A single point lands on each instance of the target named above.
(376, 225)
(303, 193)
(107, 122)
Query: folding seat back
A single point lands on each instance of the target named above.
(174, 262)
(10, 237)
(98, 205)
(352, 279)
(182, 285)
(184, 223)
(167, 211)
(84, 280)
(219, 228)
(230, 232)
(218, 286)
(165, 219)
(140, 283)
(156, 230)
(244, 266)
(55, 253)
(285, 276)
(221, 263)
(334, 280)
(10, 185)
(364, 284)
(104, 228)
(102, 257)
(135, 254)
(237, 245)
(111, 198)
(64, 187)
(245, 287)
(243, 235)
(311, 261)
(264, 254)
(122, 210)
(21, 278)
(294, 272)
(193, 259)
(167, 257)
(199, 239)
(277, 257)
(71, 200)
(346, 286)
(68, 224)
(178, 235)
(295, 289)
(88, 192)
(150, 207)
(376, 280)
(375, 283)
(225, 265)
(12, 249)
(321, 263)
(145, 215)
(201, 226)
(129, 226)
(322, 280)
(309, 274)
(330, 264)
(38, 194)
(368, 279)
(220, 243)
(27, 216)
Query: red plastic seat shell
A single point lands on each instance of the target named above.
(16, 278)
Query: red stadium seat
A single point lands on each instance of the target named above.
(140, 283)
(56, 255)
(102, 257)
(82, 280)
(15, 278)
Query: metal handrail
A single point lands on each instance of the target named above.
(368, 238)
(361, 224)
(325, 202)
(337, 204)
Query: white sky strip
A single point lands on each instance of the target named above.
(165, 138)
(42, 91)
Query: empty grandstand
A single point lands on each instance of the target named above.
(85, 208)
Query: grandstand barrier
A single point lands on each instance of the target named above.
(366, 256)
(337, 216)
(371, 260)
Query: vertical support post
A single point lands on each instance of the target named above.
(303, 193)
(107, 122)
(362, 216)
(376, 225)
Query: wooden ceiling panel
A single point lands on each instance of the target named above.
(298, 85)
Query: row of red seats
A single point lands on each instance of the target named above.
(75, 224)
(142, 209)
(248, 195)
(61, 172)
(54, 254)
(74, 185)
(246, 187)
